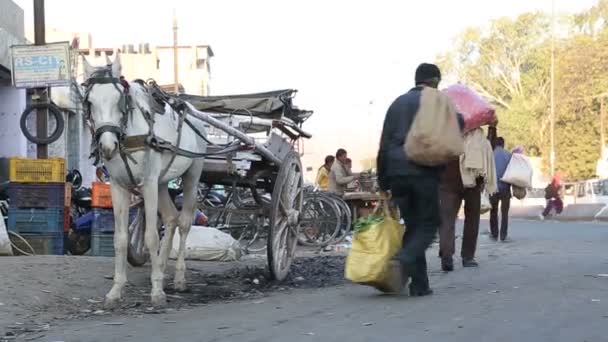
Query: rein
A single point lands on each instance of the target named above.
(129, 144)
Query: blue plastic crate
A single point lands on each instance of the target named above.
(102, 244)
(37, 221)
(43, 244)
(103, 220)
(37, 195)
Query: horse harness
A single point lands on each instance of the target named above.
(129, 144)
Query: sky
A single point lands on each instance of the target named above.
(340, 55)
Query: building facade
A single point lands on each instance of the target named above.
(138, 62)
(12, 100)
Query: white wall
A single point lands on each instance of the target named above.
(12, 104)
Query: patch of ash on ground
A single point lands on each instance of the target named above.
(245, 283)
(237, 284)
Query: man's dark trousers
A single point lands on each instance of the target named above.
(503, 200)
(418, 201)
(452, 196)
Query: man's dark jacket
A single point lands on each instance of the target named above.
(392, 161)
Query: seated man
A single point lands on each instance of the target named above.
(340, 175)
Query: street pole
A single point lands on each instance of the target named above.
(42, 124)
(370, 132)
(552, 115)
(175, 55)
(602, 136)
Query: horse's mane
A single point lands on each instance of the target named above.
(140, 93)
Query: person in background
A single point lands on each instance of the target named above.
(413, 187)
(200, 219)
(322, 180)
(554, 201)
(460, 182)
(502, 158)
(452, 193)
(349, 166)
(340, 176)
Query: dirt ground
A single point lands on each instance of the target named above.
(36, 291)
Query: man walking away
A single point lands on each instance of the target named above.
(413, 187)
(460, 183)
(340, 175)
(503, 197)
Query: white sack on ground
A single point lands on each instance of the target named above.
(208, 244)
(5, 242)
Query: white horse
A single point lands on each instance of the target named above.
(118, 109)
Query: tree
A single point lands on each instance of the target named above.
(508, 65)
(581, 79)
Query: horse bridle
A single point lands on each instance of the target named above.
(125, 144)
(104, 76)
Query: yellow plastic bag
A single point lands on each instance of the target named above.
(373, 248)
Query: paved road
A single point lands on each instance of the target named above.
(544, 286)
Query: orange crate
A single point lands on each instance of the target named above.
(101, 196)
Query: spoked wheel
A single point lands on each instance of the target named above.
(320, 221)
(346, 220)
(137, 253)
(246, 228)
(287, 199)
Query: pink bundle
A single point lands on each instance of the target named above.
(476, 111)
(518, 149)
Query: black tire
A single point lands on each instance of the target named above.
(78, 243)
(54, 111)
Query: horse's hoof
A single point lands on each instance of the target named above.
(180, 286)
(159, 300)
(111, 302)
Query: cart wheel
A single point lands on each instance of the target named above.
(287, 199)
(137, 254)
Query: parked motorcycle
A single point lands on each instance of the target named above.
(78, 240)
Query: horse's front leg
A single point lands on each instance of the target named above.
(150, 194)
(190, 181)
(120, 200)
(169, 215)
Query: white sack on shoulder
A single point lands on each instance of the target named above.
(519, 171)
(207, 244)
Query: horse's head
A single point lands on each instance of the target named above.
(106, 103)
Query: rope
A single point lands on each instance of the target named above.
(24, 241)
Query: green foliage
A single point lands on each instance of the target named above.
(365, 223)
(509, 64)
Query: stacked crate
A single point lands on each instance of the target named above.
(37, 199)
(102, 230)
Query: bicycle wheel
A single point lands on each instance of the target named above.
(244, 227)
(320, 221)
(346, 217)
